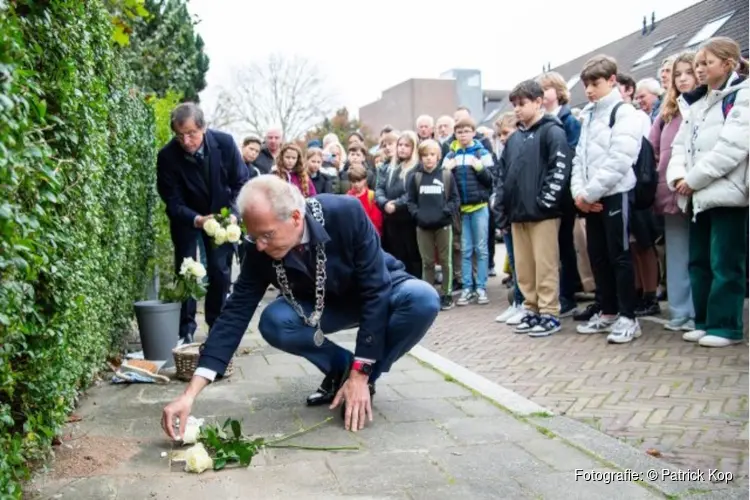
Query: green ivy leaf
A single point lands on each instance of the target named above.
(220, 463)
(236, 429)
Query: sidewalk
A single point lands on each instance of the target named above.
(431, 438)
(659, 392)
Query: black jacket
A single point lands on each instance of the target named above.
(428, 203)
(391, 187)
(264, 161)
(534, 173)
(323, 183)
(184, 190)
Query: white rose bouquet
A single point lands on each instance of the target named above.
(222, 228)
(189, 283)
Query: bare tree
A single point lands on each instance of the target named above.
(287, 93)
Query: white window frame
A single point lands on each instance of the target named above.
(573, 81)
(694, 40)
(654, 51)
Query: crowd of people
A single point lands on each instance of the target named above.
(641, 195)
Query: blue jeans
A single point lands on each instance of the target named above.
(508, 240)
(677, 241)
(474, 228)
(414, 305)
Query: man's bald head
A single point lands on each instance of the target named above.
(274, 136)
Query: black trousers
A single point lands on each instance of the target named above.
(491, 240)
(608, 245)
(219, 273)
(400, 240)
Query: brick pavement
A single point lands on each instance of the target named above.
(688, 402)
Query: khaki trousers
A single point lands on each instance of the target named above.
(440, 240)
(537, 256)
(582, 255)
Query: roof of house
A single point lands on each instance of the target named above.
(640, 55)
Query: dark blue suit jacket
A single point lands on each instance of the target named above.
(181, 185)
(360, 275)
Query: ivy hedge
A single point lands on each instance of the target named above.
(77, 204)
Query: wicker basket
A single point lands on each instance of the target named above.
(186, 361)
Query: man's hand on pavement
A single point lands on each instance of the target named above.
(356, 393)
(179, 408)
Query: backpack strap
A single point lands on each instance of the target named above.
(727, 103)
(418, 179)
(447, 179)
(613, 115)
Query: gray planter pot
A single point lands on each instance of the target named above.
(159, 327)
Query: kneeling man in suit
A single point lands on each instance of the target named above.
(325, 257)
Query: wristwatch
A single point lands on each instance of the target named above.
(362, 367)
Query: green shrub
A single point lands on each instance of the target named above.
(77, 203)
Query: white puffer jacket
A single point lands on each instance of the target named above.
(603, 164)
(711, 152)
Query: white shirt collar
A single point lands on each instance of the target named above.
(305, 234)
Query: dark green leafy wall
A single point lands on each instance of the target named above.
(77, 202)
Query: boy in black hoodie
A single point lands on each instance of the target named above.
(432, 199)
(534, 177)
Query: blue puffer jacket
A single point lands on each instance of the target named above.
(474, 183)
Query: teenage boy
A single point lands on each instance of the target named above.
(556, 98)
(250, 152)
(601, 181)
(471, 164)
(432, 199)
(535, 166)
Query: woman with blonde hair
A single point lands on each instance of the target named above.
(399, 228)
(676, 224)
(709, 172)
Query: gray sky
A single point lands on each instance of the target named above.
(363, 52)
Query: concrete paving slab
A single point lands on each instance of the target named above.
(431, 438)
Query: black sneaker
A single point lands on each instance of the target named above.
(446, 303)
(491, 272)
(648, 308)
(588, 313)
(327, 390)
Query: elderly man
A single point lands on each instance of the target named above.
(444, 128)
(425, 127)
(648, 94)
(271, 147)
(199, 172)
(324, 256)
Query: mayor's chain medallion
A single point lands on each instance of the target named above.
(320, 282)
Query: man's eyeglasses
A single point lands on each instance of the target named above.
(192, 135)
(265, 238)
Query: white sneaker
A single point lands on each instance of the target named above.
(508, 313)
(516, 319)
(680, 325)
(597, 324)
(624, 330)
(693, 336)
(714, 341)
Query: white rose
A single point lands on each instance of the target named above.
(220, 237)
(197, 270)
(197, 459)
(210, 227)
(233, 233)
(187, 265)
